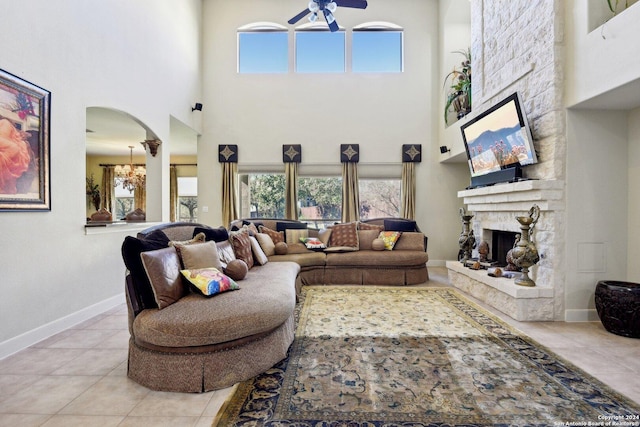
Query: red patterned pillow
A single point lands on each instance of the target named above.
(276, 236)
(242, 247)
(366, 226)
(344, 235)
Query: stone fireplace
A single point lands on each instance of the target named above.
(494, 209)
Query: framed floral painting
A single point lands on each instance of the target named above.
(24, 145)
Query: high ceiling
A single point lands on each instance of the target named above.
(111, 132)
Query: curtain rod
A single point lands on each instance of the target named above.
(144, 164)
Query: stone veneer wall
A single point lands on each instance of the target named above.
(518, 45)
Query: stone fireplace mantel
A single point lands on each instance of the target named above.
(495, 208)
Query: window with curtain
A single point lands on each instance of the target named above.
(380, 198)
(262, 195)
(124, 201)
(320, 200)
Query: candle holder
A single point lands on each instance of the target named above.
(467, 240)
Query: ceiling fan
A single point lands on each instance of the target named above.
(327, 7)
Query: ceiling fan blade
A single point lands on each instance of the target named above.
(358, 4)
(333, 24)
(299, 16)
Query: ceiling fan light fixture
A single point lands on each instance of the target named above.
(330, 18)
(332, 6)
(313, 17)
(313, 6)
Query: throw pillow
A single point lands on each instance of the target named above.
(276, 236)
(242, 247)
(389, 238)
(377, 245)
(294, 235)
(197, 238)
(324, 236)
(344, 235)
(313, 243)
(281, 248)
(267, 245)
(236, 269)
(203, 255)
(225, 252)
(209, 281)
(292, 225)
(258, 253)
(366, 226)
(219, 234)
(400, 225)
(253, 230)
(131, 250)
(163, 270)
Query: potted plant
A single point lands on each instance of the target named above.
(93, 192)
(459, 91)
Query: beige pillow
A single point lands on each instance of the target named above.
(293, 235)
(267, 245)
(258, 253)
(203, 255)
(225, 252)
(163, 270)
(324, 236)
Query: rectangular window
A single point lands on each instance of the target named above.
(379, 198)
(124, 201)
(320, 52)
(263, 52)
(320, 200)
(188, 198)
(262, 195)
(376, 51)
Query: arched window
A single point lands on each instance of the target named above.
(263, 47)
(377, 47)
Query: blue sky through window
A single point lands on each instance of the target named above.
(320, 52)
(263, 52)
(377, 52)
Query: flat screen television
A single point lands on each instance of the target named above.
(497, 140)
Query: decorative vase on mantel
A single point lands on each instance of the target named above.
(525, 253)
(467, 240)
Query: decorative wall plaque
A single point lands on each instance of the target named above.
(228, 153)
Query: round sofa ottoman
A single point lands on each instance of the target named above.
(618, 306)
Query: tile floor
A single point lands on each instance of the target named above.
(78, 377)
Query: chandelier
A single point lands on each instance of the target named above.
(130, 177)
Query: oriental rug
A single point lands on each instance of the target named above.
(415, 357)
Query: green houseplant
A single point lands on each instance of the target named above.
(93, 192)
(459, 90)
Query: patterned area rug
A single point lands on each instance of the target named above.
(414, 357)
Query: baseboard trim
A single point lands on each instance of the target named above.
(29, 338)
(581, 315)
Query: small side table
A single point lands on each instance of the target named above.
(618, 306)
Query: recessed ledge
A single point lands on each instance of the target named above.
(117, 227)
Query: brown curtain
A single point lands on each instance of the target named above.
(107, 193)
(350, 192)
(173, 194)
(291, 190)
(140, 198)
(408, 190)
(229, 191)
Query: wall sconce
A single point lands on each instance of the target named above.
(153, 145)
(444, 149)
(198, 107)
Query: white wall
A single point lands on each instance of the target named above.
(597, 212)
(633, 224)
(380, 112)
(140, 57)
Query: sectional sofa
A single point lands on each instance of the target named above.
(185, 342)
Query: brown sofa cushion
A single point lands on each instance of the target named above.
(163, 270)
(242, 247)
(344, 235)
(363, 259)
(265, 301)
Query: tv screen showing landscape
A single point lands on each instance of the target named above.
(498, 138)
